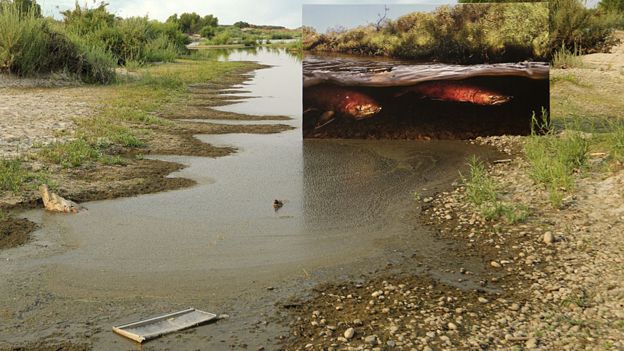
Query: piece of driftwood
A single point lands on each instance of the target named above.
(55, 203)
(151, 328)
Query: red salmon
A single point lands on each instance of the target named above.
(456, 91)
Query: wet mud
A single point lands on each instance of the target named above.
(15, 232)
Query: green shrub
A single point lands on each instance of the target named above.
(22, 40)
(222, 38)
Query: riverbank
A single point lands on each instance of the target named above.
(90, 142)
(551, 249)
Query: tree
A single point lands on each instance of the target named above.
(25, 6)
(241, 24)
(381, 19)
(611, 5)
(210, 21)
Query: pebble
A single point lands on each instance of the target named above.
(549, 238)
(483, 300)
(371, 340)
(349, 333)
(495, 264)
(531, 343)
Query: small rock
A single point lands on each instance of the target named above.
(483, 300)
(495, 264)
(549, 238)
(371, 340)
(452, 326)
(531, 343)
(349, 333)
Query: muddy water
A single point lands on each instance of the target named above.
(220, 246)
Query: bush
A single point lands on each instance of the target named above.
(222, 38)
(460, 34)
(22, 40)
(30, 45)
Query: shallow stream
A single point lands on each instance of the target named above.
(349, 208)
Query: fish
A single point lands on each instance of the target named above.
(336, 101)
(456, 91)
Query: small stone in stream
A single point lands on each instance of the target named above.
(357, 322)
(483, 300)
(452, 326)
(391, 343)
(462, 270)
(495, 264)
(514, 307)
(309, 346)
(349, 333)
(427, 348)
(549, 238)
(371, 340)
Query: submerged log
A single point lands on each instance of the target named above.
(55, 203)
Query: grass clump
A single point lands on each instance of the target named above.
(553, 159)
(565, 58)
(71, 154)
(483, 191)
(615, 140)
(12, 175)
(15, 178)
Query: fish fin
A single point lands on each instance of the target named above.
(324, 119)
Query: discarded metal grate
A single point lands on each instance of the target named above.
(151, 328)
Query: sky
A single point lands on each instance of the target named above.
(271, 12)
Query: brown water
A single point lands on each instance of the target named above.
(349, 208)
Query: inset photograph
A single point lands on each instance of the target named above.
(423, 71)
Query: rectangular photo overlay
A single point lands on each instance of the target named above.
(424, 71)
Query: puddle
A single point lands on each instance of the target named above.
(349, 207)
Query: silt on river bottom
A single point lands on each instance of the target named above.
(220, 246)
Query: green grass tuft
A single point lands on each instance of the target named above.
(566, 58)
(71, 154)
(482, 191)
(553, 159)
(15, 178)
